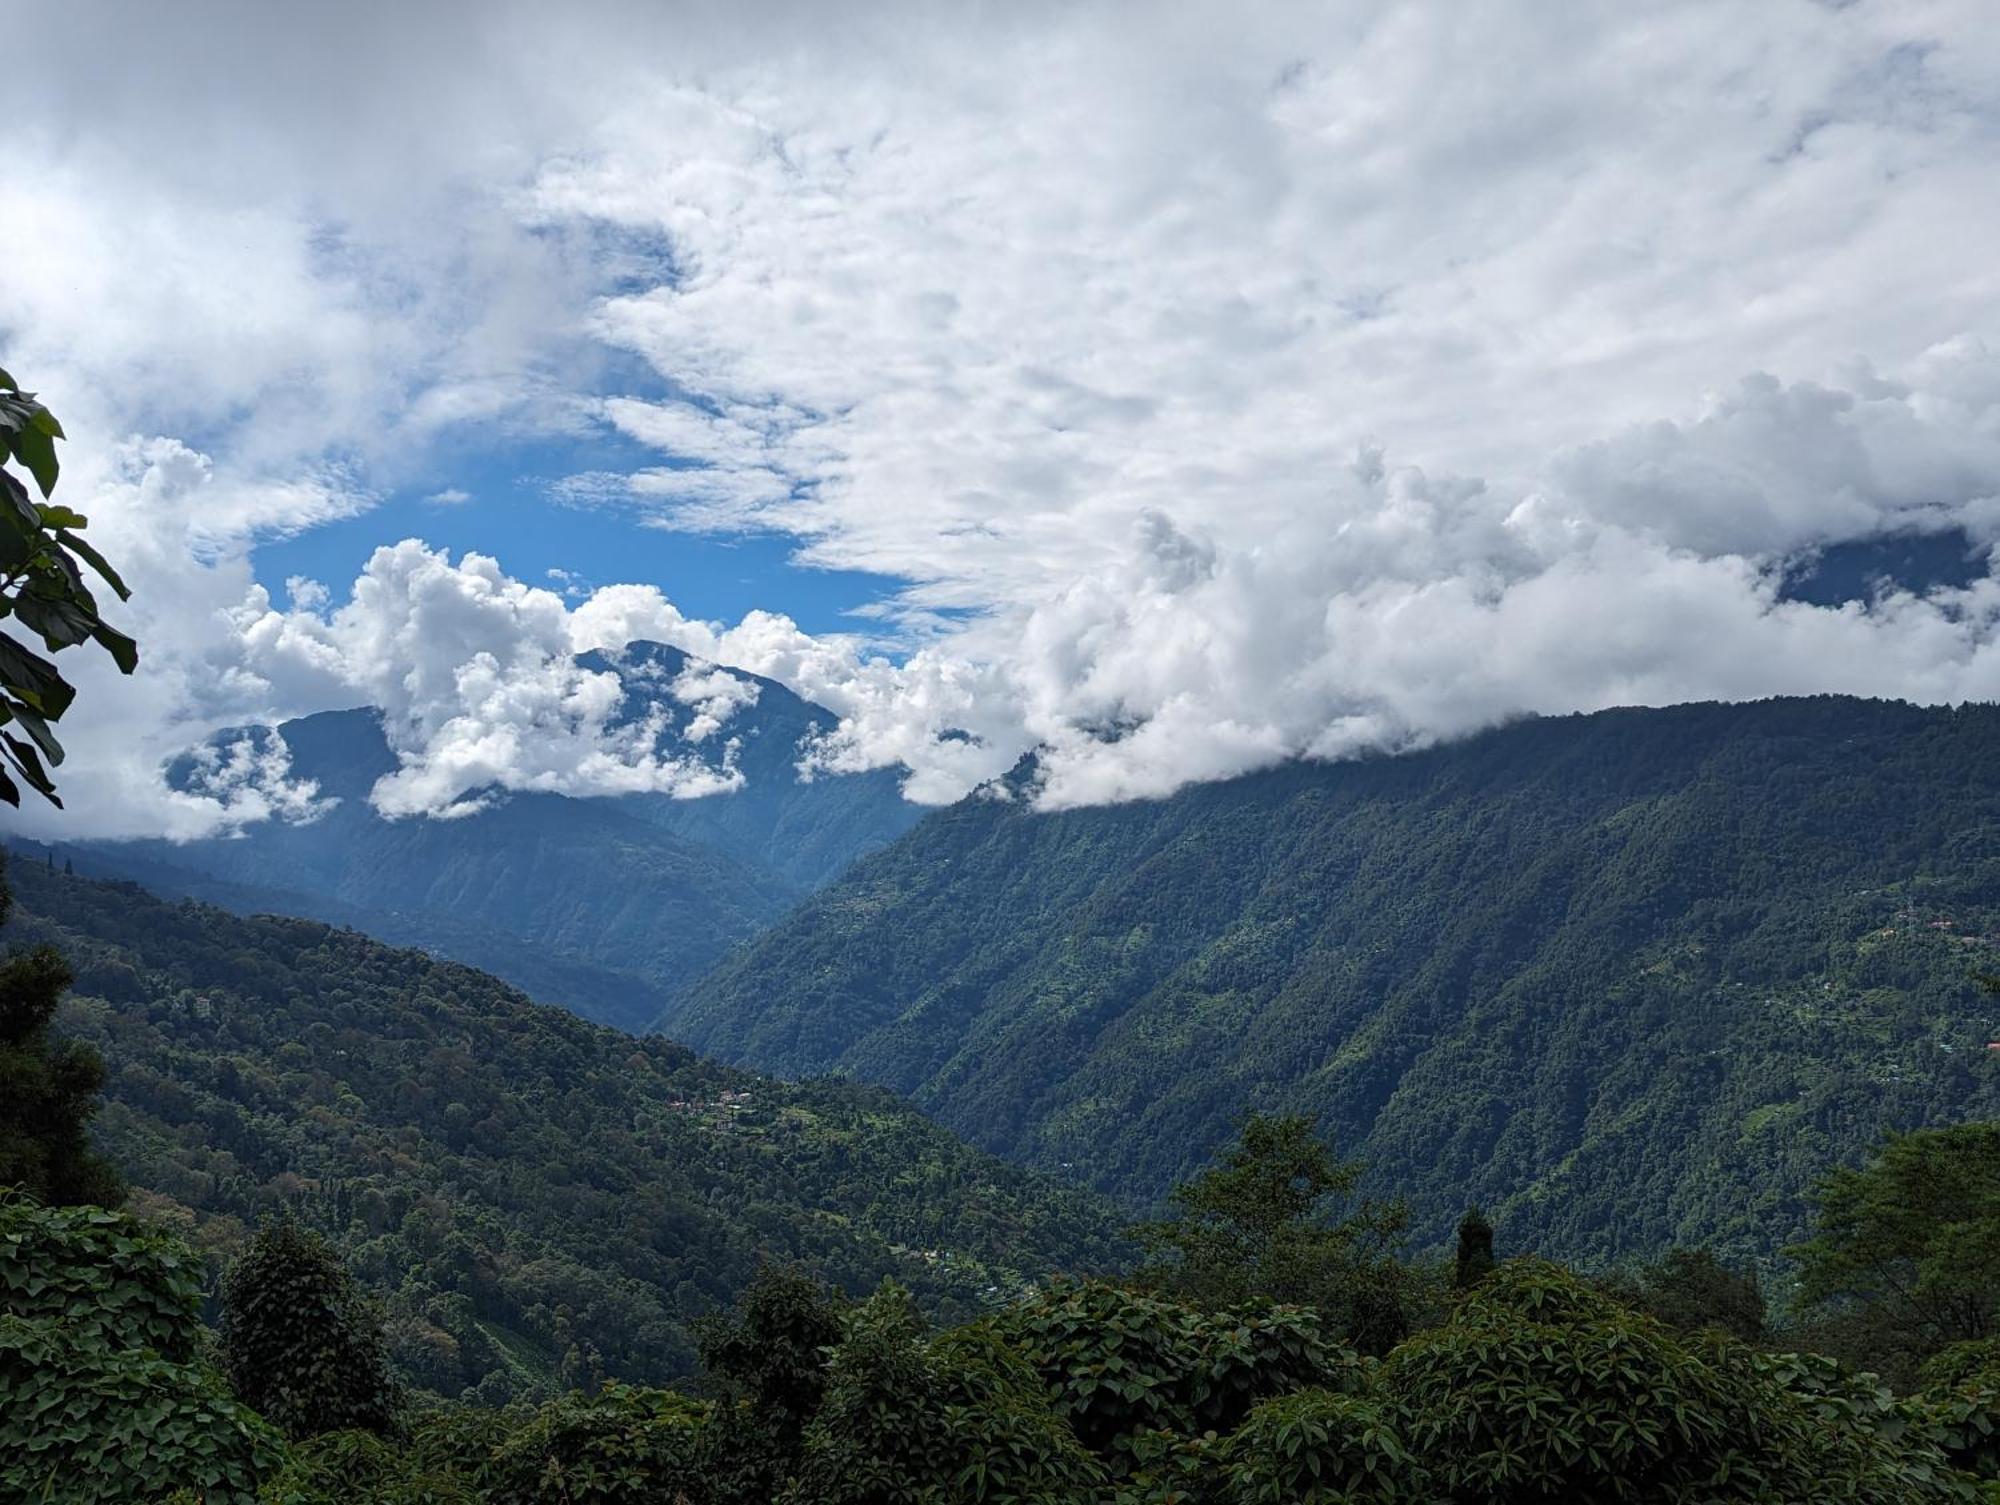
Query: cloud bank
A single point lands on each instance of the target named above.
(1222, 390)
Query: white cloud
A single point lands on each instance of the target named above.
(479, 688)
(715, 696)
(1253, 382)
(451, 496)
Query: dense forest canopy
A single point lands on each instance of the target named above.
(1626, 980)
(1523, 1384)
(537, 1199)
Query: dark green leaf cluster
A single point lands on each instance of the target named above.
(1538, 1385)
(1539, 1388)
(1271, 1223)
(1961, 1402)
(43, 590)
(909, 1419)
(299, 1343)
(1319, 1447)
(48, 1087)
(1692, 1290)
(105, 1391)
(1123, 1364)
(1905, 1260)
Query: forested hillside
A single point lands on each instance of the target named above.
(606, 905)
(1627, 979)
(537, 1199)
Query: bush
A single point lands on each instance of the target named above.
(622, 1447)
(1960, 1404)
(343, 1468)
(955, 1421)
(1121, 1364)
(1321, 1448)
(299, 1343)
(114, 1281)
(104, 1394)
(1541, 1388)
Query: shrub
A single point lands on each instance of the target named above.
(343, 1468)
(621, 1447)
(1123, 1363)
(955, 1421)
(103, 1392)
(1542, 1388)
(83, 1422)
(114, 1281)
(1321, 1448)
(1960, 1404)
(767, 1364)
(298, 1341)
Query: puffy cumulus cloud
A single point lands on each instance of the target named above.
(479, 687)
(169, 516)
(962, 313)
(1251, 383)
(715, 695)
(243, 779)
(1400, 608)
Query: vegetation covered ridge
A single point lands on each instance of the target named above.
(1275, 1349)
(537, 1200)
(1627, 979)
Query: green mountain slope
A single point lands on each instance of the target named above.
(531, 1194)
(1625, 979)
(604, 905)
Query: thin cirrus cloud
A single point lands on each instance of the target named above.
(1234, 387)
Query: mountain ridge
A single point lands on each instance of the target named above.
(529, 1193)
(607, 904)
(1490, 961)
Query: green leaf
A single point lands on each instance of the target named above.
(122, 649)
(33, 680)
(37, 728)
(96, 561)
(35, 449)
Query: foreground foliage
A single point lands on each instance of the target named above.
(42, 590)
(48, 1087)
(107, 1391)
(299, 1342)
(1527, 1384)
(1906, 1258)
(1538, 1388)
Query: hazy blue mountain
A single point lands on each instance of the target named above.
(604, 904)
(806, 831)
(1858, 569)
(1625, 979)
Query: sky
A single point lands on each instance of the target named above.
(1168, 390)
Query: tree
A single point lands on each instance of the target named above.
(48, 1090)
(1692, 1290)
(772, 1351)
(299, 1344)
(42, 589)
(1475, 1251)
(1264, 1225)
(1908, 1247)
